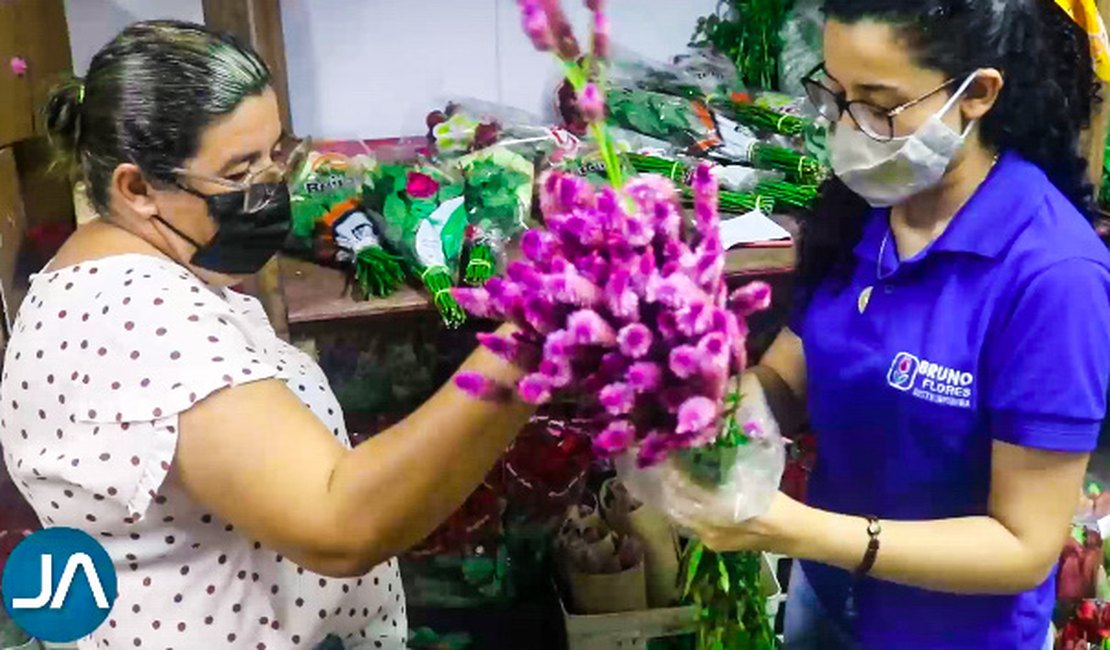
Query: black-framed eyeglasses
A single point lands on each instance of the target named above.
(875, 121)
(258, 186)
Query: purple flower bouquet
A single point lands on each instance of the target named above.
(622, 309)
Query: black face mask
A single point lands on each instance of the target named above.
(245, 241)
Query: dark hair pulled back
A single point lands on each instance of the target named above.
(1046, 102)
(147, 97)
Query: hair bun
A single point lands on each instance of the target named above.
(63, 115)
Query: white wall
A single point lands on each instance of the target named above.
(92, 23)
(374, 68)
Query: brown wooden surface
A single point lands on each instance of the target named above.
(257, 22)
(46, 35)
(317, 294)
(12, 228)
(15, 92)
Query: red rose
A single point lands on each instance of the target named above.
(421, 186)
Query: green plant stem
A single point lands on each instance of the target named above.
(438, 282)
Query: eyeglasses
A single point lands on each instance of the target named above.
(876, 122)
(258, 187)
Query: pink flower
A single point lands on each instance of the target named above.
(685, 361)
(667, 326)
(715, 348)
(480, 387)
(615, 438)
(617, 398)
(705, 199)
(637, 231)
(514, 351)
(587, 327)
(696, 415)
(635, 340)
(525, 275)
(594, 267)
(622, 301)
(653, 449)
(675, 291)
(572, 289)
(645, 377)
(751, 298)
(506, 298)
(18, 66)
(695, 319)
(753, 430)
(539, 246)
(477, 302)
(591, 103)
(710, 262)
(558, 345)
(540, 315)
(536, 25)
(535, 389)
(610, 210)
(557, 371)
(565, 43)
(601, 45)
(581, 226)
(421, 186)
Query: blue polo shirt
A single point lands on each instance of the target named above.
(999, 330)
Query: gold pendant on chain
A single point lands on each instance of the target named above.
(864, 298)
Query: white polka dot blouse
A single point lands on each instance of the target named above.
(103, 358)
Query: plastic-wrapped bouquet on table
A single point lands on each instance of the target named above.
(328, 216)
(420, 212)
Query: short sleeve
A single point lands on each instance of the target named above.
(149, 350)
(1048, 366)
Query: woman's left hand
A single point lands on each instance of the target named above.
(777, 530)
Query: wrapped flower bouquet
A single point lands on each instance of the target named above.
(622, 309)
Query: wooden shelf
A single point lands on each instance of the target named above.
(317, 294)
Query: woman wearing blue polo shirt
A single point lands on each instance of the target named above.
(952, 342)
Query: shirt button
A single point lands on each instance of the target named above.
(888, 289)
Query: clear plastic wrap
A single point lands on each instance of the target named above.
(716, 486)
(697, 73)
(469, 125)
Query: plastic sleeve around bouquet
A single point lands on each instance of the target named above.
(326, 196)
(683, 122)
(470, 125)
(677, 170)
(720, 485)
(420, 212)
(695, 73)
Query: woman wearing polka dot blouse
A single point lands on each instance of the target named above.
(148, 405)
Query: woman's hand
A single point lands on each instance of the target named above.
(778, 530)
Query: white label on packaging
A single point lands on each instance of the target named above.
(751, 228)
(1104, 526)
(429, 246)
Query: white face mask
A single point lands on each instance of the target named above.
(887, 173)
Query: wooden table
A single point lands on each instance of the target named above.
(316, 294)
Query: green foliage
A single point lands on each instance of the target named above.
(749, 33)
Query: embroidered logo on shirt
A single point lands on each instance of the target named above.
(930, 381)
